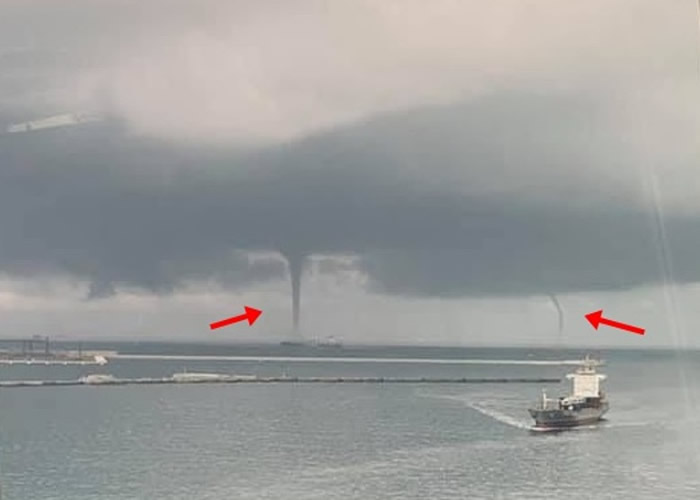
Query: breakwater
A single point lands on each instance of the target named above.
(244, 379)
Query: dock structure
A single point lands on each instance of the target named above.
(37, 350)
(85, 360)
(188, 378)
(27, 347)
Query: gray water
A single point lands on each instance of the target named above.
(364, 441)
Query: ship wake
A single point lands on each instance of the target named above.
(488, 411)
(500, 416)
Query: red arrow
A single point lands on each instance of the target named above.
(596, 318)
(250, 314)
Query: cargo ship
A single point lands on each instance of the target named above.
(584, 406)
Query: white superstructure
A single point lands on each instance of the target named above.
(586, 380)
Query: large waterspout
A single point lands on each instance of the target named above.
(295, 260)
(560, 312)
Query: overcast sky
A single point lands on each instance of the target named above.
(444, 167)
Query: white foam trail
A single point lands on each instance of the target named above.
(320, 359)
(613, 424)
(501, 417)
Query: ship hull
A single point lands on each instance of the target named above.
(563, 418)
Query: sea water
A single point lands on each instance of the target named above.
(363, 441)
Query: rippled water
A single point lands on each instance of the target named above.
(347, 441)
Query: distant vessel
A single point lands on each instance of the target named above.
(63, 120)
(586, 405)
(329, 342)
(293, 343)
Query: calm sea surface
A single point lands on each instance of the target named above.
(363, 441)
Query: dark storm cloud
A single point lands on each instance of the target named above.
(495, 196)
